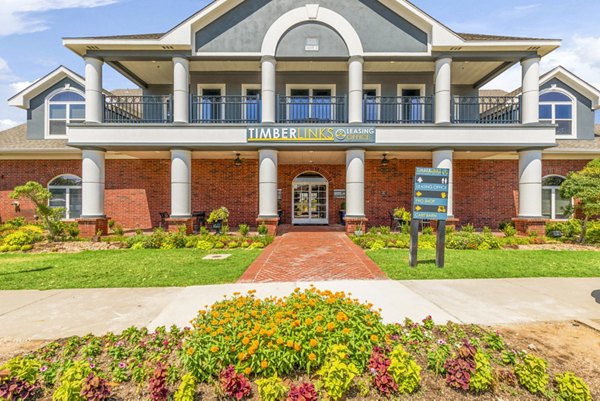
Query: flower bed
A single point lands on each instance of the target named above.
(309, 345)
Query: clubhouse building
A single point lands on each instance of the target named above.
(288, 111)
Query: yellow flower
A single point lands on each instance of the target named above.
(319, 318)
(374, 337)
(290, 343)
(190, 351)
(309, 321)
(280, 341)
(264, 364)
(313, 342)
(346, 330)
(312, 356)
(214, 349)
(319, 329)
(242, 356)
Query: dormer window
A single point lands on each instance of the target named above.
(556, 107)
(64, 107)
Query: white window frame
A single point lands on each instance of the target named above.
(245, 88)
(67, 189)
(553, 190)
(377, 88)
(572, 103)
(222, 87)
(401, 87)
(311, 88)
(67, 119)
(310, 181)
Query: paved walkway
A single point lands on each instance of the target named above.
(59, 313)
(312, 254)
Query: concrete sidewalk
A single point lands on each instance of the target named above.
(58, 313)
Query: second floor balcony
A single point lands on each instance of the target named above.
(376, 110)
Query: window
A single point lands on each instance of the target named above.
(211, 102)
(558, 108)
(553, 205)
(251, 103)
(410, 102)
(372, 101)
(311, 103)
(66, 194)
(64, 107)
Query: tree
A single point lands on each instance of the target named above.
(584, 187)
(39, 196)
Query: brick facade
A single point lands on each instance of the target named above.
(485, 191)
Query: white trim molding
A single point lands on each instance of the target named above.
(572, 103)
(47, 101)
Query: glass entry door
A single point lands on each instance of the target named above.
(310, 200)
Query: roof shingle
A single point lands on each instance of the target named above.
(14, 139)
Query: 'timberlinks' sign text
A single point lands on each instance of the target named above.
(319, 134)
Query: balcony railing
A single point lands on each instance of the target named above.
(225, 109)
(398, 110)
(138, 109)
(486, 110)
(312, 109)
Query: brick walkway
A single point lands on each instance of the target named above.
(312, 254)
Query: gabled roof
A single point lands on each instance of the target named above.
(15, 140)
(22, 98)
(581, 86)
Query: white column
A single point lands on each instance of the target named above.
(94, 107)
(267, 183)
(442, 158)
(443, 86)
(355, 183)
(92, 183)
(181, 183)
(530, 183)
(269, 67)
(355, 89)
(181, 90)
(531, 90)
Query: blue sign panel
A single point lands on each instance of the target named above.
(311, 134)
(430, 197)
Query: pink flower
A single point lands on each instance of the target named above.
(122, 365)
(92, 365)
(44, 368)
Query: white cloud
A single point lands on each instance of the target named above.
(17, 87)
(18, 16)
(8, 123)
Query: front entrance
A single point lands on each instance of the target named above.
(310, 199)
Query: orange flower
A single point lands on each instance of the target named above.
(309, 321)
(312, 357)
(297, 347)
(330, 326)
(264, 364)
(290, 343)
(341, 317)
(313, 342)
(374, 337)
(346, 330)
(190, 351)
(247, 371)
(280, 341)
(245, 341)
(214, 349)
(319, 329)
(242, 356)
(319, 318)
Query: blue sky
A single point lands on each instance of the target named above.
(31, 33)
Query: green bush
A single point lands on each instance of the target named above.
(19, 238)
(532, 374)
(4, 248)
(592, 235)
(509, 231)
(467, 228)
(404, 370)
(244, 230)
(569, 229)
(262, 229)
(337, 373)
(71, 383)
(26, 248)
(271, 389)
(385, 230)
(572, 388)
(428, 230)
(204, 245)
(483, 378)
(187, 389)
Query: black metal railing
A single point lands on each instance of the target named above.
(312, 109)
(225, 109)
(138, 109)
(398, 109)
(486, 110)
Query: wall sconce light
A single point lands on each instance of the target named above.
(384, 161)
(238, 161)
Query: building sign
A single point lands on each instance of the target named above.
(339, 193)
(314, 134)
(311, 45)
(430, 198)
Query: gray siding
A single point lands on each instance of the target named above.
(36, 114)
(330, 43)
(243, 28)
(585, 114)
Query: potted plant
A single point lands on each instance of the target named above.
(219, 219)
(343, 213)
(359, 229)
(279, 212)
(401, 216)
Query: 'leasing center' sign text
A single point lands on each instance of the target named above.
(326, 134)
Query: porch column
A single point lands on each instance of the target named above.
(181, 90)
(267, 189)
(355, 90)
(443, 86)
(530, 184)
(442, 158)
(94, 107)
(355, 190)
(269, 66)
(93, 219)
(530, 106)
(181, 183)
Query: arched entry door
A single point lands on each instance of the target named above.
(309, 199)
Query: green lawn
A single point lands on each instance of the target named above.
(489, 264)
(121, 268)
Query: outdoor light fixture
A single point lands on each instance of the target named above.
(384, 161)
(238, 161)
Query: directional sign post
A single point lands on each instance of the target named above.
(430, 202)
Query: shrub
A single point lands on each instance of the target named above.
(219, 245)
(262, 229)
(302, 392)
(187, 388)
(118, 229)
(373, 231)
(402, 214)
(460, 368)
(19, 238)
(234, 385)
(220, 214)
(404, 370)
(244, 230)
(17, 389)
(22, 368)
(377, 245)
(204, 245)
(4, 248)
(157, 387)
(468, 228)
(385, 230)
(572, 388)
(532, 374)
(483, 378)
(509, 231)
(428, 230)
(26, 248)
(436, 359)
(337, 373)
(95, 388)
(593, 233)
(256, 245)
(505, 223)
(71, 383)
(381, 378)
(232, 244)
(271, 389)
(486, 230)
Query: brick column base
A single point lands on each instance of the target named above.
(90, 227)
(450, 222)
(352, 224)
(174, 223)
(270, 222)
(527, 225)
